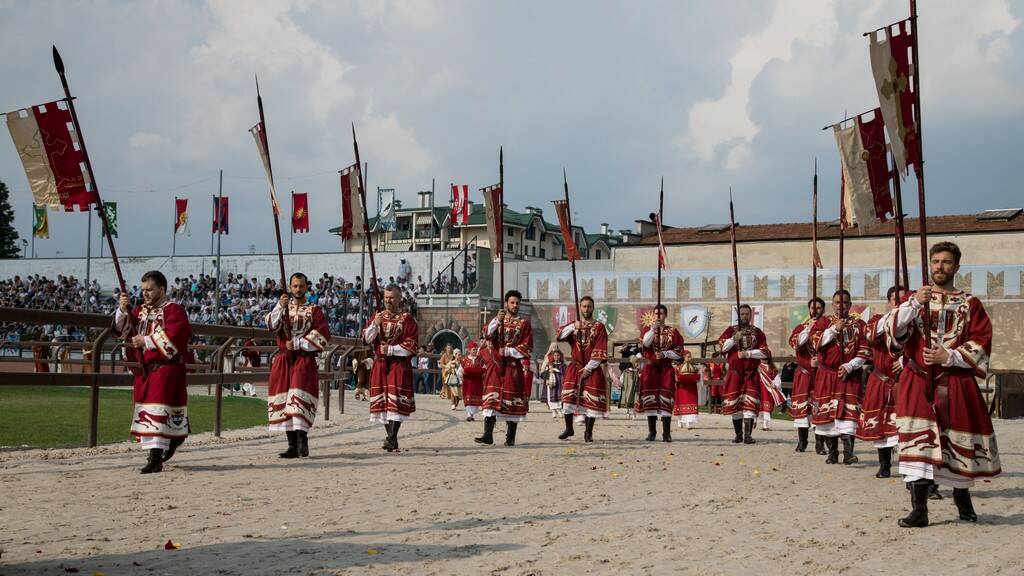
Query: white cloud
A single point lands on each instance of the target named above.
(384, 137)
(725, 122)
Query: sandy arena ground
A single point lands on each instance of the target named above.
(700, 505)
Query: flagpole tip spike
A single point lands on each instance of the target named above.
(58, 62)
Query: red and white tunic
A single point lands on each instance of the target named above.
(742, 397)
(800, 407)
(471, 370)
(505, 394)
(837, 400)
(878, 409)
(945, 432)
(391, 390)
(159, 391)
(657, 392)
(771, 389)
(293, 390)
(589, 351)
(686, 398)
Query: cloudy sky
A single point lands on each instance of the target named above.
(708, 94)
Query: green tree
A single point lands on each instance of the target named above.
(8, 235)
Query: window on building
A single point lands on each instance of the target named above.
(509, 249)
(542, 252)
(597, 254)
(510, 234)
(530, 232)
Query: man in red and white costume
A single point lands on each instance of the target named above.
(505, 393)
(293, 390)
(877, 422)
(685, 406)
(800, 407)
(771, 391)
(584, 388)
(471, 372)
(393, 335)
(744, 346)
(660, 345)
(837, 378)
(945, 432)
(157, 334)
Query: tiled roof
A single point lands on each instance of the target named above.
(953, 224)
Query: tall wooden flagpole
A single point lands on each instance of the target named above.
(101, 208)
(501, 218)
(814, 234)
(661, 220)
(901, 232)
(572, 261)
(842, 278)
(366, 225)
(736, 275)
(270, 173)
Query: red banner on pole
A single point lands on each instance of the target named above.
(351, 205)
(561, 210)
(220, 215)
(180, 215)
(460, 204)
(300, 212)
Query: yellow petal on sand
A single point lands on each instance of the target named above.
(372, 551)
(757, 472)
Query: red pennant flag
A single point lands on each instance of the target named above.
(662, 255)
(864, 157)
(893, 71)
(460, 204)
(352, 223)
(562, 210)
(300, 212)
(181, 215)
(51, 155)
(220, 215)
(495, 226)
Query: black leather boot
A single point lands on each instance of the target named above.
(918, 517)
(737, 426)
(394, 434)
(488, 437)
(569, 431)
(819, 445)
(801, 443)
(666, 428)
(652, 428)
(293, 445)
(175, 442)
(748, 430)
(848, 456)
(884, 463)
(588, 433)
(154, 463)
(933, 492)
(303, 443)
(962, 498)
(833, 449)
(510, 433)
(387, 438)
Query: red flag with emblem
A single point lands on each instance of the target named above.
(562, 210)
(180, 215)
(460, 204)
(220, 215)
(866, 174)
(300, 212)
(893, 70)
(352, 223)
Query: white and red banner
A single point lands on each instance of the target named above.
(866, 174)
(52, 156)
(562, 211)
(893, 70)
(495, 222)
(662, 255)
(460, 204)
(180, 215)
(352, 216)
(260, 136)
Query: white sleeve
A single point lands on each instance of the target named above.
(804, 336)
(274, 317)
(370, 333)
(728, 344)
(150, 345)
(905, 314)
(592, 365)
(671, 355)
(955, 360)
(492, 326)
(300, 343)
(827, 336)
(756, 354)
(119, 319)
(567, 330)
(510, 351)
(648, 339)
(460, 371)
(855, 364)
(397, 351)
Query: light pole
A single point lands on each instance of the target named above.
(24, 248)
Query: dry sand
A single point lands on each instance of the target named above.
(700, 505)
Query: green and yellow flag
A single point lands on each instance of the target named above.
(40, 222)
(111, 209)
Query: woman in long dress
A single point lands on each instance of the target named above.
(552, 372)
(452, 379)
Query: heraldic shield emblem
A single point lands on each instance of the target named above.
(694, 320)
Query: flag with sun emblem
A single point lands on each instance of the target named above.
(300, 212)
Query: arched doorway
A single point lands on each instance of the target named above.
(445, 337)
